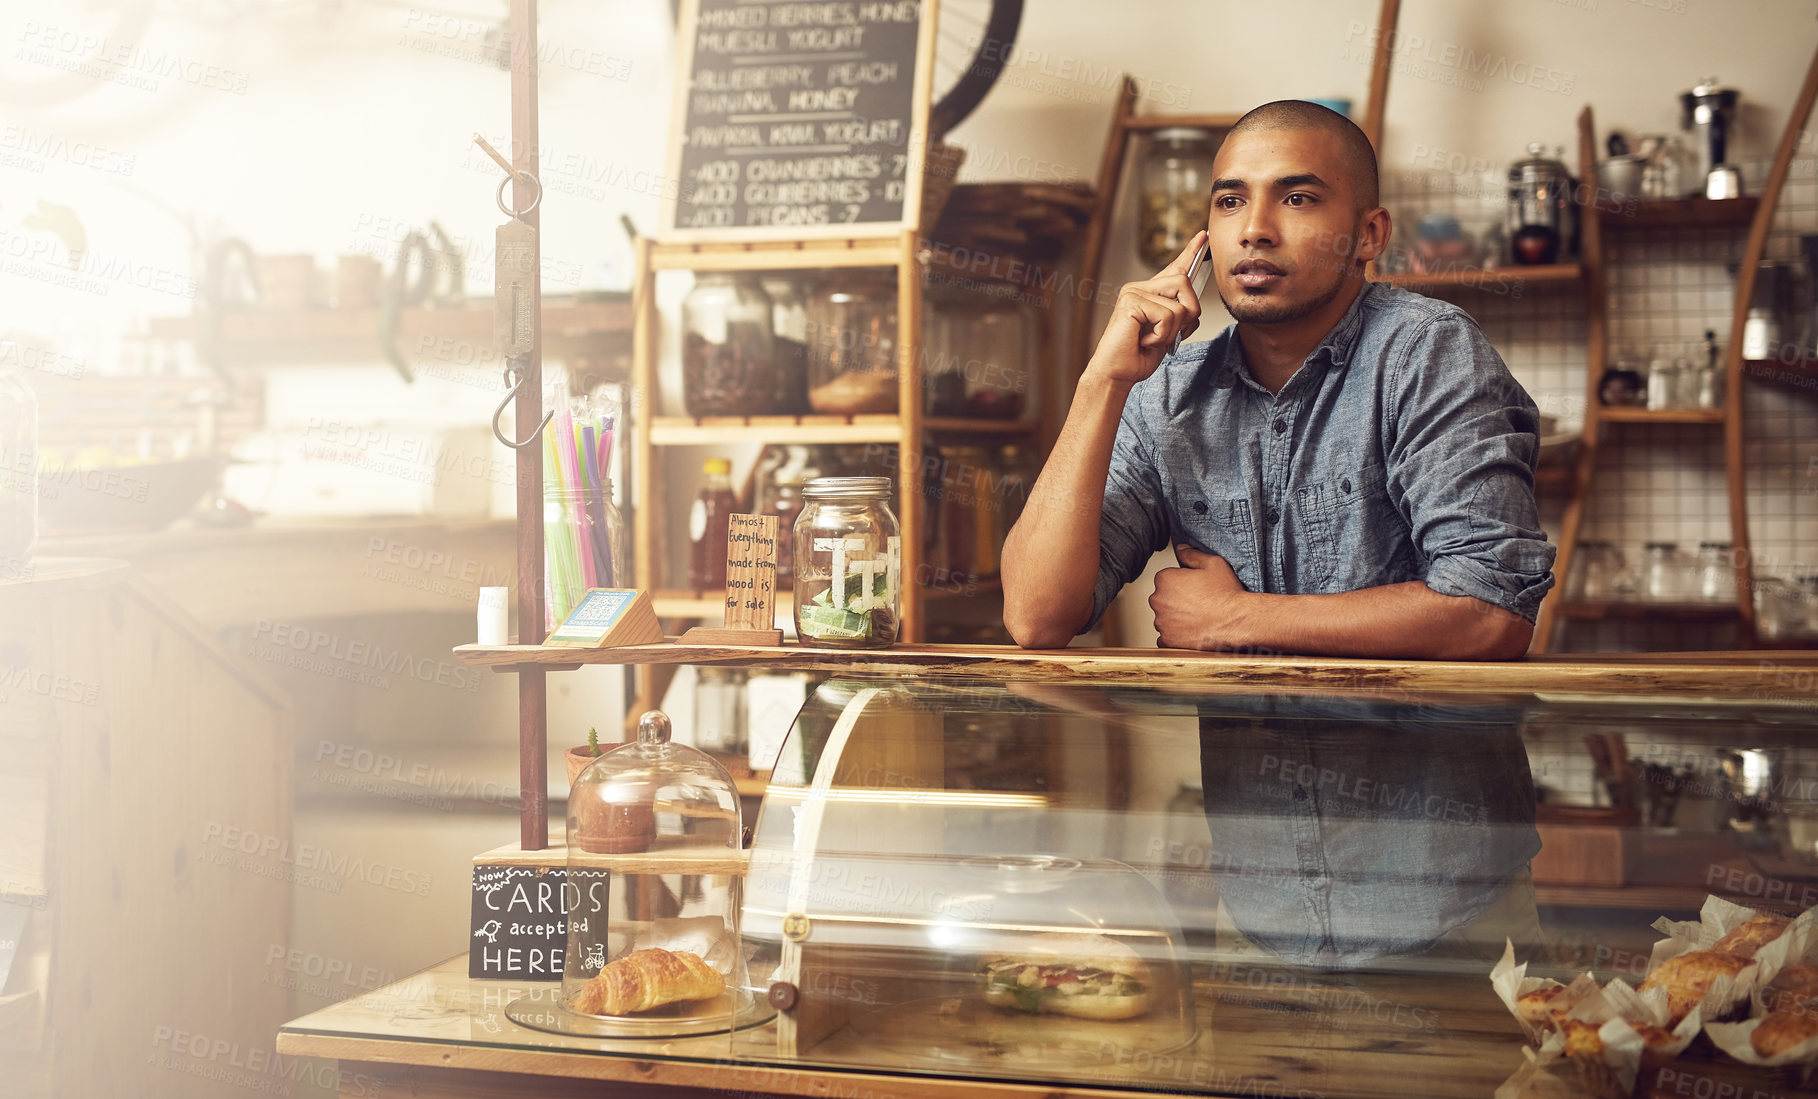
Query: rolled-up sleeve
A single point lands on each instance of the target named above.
(1133, 524)
(1462, 446)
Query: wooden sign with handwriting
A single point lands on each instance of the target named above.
(750, 586)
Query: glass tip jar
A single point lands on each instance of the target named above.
(848, 564)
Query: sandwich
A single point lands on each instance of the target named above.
(1084, 976)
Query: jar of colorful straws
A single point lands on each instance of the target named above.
(583, 531)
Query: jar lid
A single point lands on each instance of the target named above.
(1181, 134)
(847, 488)
(1661, 545)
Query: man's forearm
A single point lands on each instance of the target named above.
(1051, 557)
(1408, 620)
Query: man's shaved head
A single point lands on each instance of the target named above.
(1359, 159)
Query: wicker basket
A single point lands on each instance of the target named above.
(940, 173)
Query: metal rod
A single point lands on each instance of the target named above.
(533, 712)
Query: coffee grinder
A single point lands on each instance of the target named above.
(1709, 111)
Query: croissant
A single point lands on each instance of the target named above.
(645, 979)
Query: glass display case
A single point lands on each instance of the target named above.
(1237, 887)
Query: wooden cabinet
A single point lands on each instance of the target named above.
(145, 830)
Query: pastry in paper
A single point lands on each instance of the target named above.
(1755, 933)
(1690, 977)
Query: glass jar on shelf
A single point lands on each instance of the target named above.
(1175, 184)
(789, 324)
(18, 471)
(719, 710)
(1778, 611)
(1808, 597)
(1601, 566)
(852, 346)
(848, 564)
(1716, 575)
(728, 349)
(1661, 572)
(980, 354)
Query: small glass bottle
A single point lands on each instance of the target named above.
(708, 523)
(1663, 381)
(1176, 189)
(848, 564)
(1660, 572)
(1710, 375)
(728, 351)
(18, 471)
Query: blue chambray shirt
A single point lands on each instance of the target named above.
(1403, 449)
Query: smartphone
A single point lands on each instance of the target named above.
(1197, 271)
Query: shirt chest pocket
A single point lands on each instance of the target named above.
(1356, 534)
(1225, 528)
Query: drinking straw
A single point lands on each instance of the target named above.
(596, 510)
(576, 498)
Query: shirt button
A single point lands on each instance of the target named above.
(1281, 426)
(1300, 793)
(1200, 505)
(1346, 484)
(1274, 517)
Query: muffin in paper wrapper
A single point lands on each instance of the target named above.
(1738, 1040)
(1726, 996)
(1511, 982)
(1719, 917)
(1618, 1009)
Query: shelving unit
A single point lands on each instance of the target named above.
(1494, 280)
(1692, 213)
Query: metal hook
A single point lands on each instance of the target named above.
(513, 386)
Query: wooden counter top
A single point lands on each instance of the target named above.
(1269, 1029)
(1764, 676)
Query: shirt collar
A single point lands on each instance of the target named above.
(1335, 349)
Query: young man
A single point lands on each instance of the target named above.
(1347, 471)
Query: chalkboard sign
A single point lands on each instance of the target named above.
(800, 118)
(520, 918)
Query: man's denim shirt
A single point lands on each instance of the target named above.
(1403, 449)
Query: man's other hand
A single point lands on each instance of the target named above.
(1146, 319)
(1197, 605)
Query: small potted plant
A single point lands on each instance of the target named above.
(578, 759)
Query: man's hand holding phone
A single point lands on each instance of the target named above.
(1152, 317)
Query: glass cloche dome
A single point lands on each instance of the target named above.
(654, 871)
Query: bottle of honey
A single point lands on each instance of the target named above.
(708, 523)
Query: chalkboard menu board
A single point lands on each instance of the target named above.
(520, 918)
(800, 118)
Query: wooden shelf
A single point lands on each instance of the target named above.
(1620, 415)
(811, 430)
(716, 430)
(1497, 280)
(688, 603)
(794, 255)
(1683, 213)
(253, 329)
(1679, 612)
(1717, 674)
(1146, 123)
